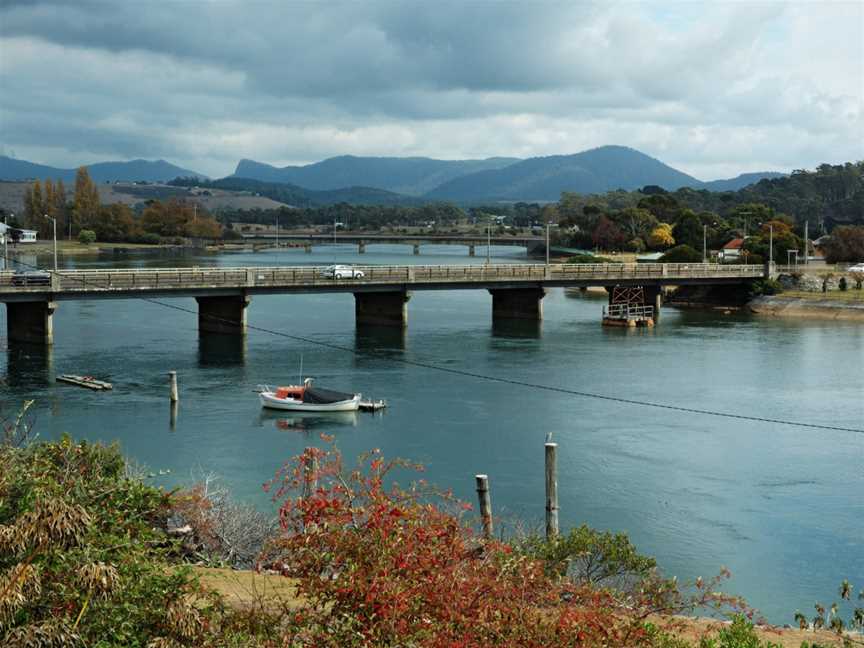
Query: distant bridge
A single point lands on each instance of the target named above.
(381, 295)
(532, 244)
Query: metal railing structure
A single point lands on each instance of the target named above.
(401, 277)
(628, 312)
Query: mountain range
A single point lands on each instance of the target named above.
(416, 179)
(132, 171)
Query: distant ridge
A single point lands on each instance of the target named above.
(132, 171)
(741, 181)
(594, 171)
(412, 176)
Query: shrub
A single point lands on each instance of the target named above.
(765, 287)
(382, 565)
(843, 284)
(739, 634)
(149, 238)
(681, 254)
(86, 236)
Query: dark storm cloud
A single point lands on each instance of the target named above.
(291, 82)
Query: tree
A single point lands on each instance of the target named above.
(661, 237)
(845, 244)
(607, 235)
(688, 230)
(86, 236)
(34, 207)
(86, 203)
(681, 254)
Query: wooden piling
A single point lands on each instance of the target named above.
(485, 505)
(175, 397)
(310, 474)
(551, 490)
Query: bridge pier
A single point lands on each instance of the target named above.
(654, 297)
(517, 303)
(470, 250)
(30, 322)
(222, 314)
(361, 247)
(416, 248)
(382, 308)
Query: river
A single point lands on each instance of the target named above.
(780, 506)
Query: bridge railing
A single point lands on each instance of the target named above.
(179, 278)
(628, 312)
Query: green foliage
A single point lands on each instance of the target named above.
(589, 556)
(739, 634)
(681, 254)
(86, 236)
(761, 287)
(843, 285)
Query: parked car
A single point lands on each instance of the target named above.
(341, 272)
(31, 278)
(858, 267)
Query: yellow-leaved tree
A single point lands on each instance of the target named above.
(661, 237)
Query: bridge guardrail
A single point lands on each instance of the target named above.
(238, 277)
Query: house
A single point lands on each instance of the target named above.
(651, 257)
(24, 235)
(732, 250)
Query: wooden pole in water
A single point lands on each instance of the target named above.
(174, 394)
(485, 504)
(551, 490)
(310, 474)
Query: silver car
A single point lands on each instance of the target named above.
(341, 272)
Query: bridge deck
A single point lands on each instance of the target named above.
(179, 282)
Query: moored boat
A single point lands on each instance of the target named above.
(306, 398)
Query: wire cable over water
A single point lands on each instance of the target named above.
(500, 380)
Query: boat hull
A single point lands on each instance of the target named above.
(270, 401)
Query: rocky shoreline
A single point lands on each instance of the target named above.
(807, 308)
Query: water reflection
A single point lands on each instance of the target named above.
(524, 329)
(220, 350)
(172, 415)
(307, 421)
(380, 338)
(28, 365)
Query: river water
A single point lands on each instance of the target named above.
(781, 506)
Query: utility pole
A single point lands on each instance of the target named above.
(488, 238)
(6, 242)
(704, 244)
(54, 220)
(277, 230)
(770, 244)
(806, 242)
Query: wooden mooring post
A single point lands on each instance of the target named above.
(175, 396)
(551, 490)
(485, 504)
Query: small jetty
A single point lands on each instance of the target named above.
(88, 382)
(628, 315)
(372, 405)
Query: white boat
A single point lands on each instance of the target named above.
(306, 398)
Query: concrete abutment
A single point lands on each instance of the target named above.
(222, 314)
(30, 322)
(517, 303)
(382, 308)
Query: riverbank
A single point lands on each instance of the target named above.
(848, 305)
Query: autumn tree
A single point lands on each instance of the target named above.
(845, 244)
(607, 235)
(661, 237)
(86, 205)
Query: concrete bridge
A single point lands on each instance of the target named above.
(381, 295)
(532, 244)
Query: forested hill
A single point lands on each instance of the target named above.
(595, 171)
(412, 176)
(302, 197)
(132, 171)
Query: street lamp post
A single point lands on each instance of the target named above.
(548, 225)
(54, 221)
(488, 240)
(5, 243)
(277, 231)
(770, 244)
(704, 244)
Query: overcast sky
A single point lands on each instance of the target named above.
(713, 89)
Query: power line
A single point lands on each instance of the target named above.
(506, 381)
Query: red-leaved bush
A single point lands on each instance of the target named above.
(382, 565)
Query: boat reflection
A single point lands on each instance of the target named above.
(303, 421)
